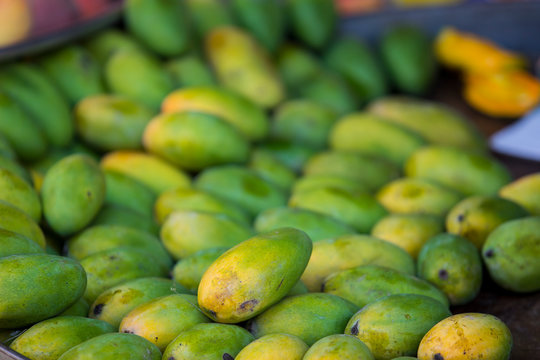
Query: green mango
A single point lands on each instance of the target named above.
(313, 21)
(365, 284)
(297, 66)
(190, 71)
(17, 221)
(113, 346)
(274, 346)
(6, 150)
(79, 308)
(524, 191)
(206, 15)
(168, 36)
(49, 339)
(119, 215)
(466, 172)
(394, 325)
(54, 155)
(298, 289)
(291, 155)
(73, 192)
(40, 286)
(253, 275)
(108, 41)
(331, 90)
(162, 319)
(125, 191)
(310, 317)
(20, 194)
(74, 71)
(270, 168)
(349, 251)
(208, 341)
(314, 182)
(452, 264)
(16, 168)
(316, 225)
(511, 254)
(339, 346)
(16, 244)
(189, 271)
(408, 55)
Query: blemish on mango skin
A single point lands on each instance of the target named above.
(227, 357)
(354, 329)
(98, 309)
(248, 305)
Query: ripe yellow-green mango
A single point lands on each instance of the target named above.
(370, 171)
(313, 21)
(358, 210)
(189, 71)
(365, 284)
(475, 217)
(316, 225)
(467, 172)
(150, 170)
(119, 215)
(195, 141)
(242, 113)
(49, 339)
(20, 194)
(452, 264)
(116, 302)
(417, 196)
(39, 286)
(349, 251)
(206, 15)
(208, 341)
(274, 346)
(122, 190)
(339, 346)
(185, 232)
(79, 308)
(310, 317)
(291, 155)
(16, 168)
(113, 346)
(394, 325)
(525, 191)
(242, 65)
(466, 337)
(241, 186)
(189, 271)
(105, 43)
(317, 181)
(370, 135)
(162, 319)
(16, 244)
(73, 192)
(511, 254)
(17, 221)
(270, 168)
(408, 231)
(254, 275)
(437, 123)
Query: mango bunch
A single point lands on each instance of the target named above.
(166, 198)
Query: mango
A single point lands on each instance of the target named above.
(274, 346)
(186, 232)
(79, 308)
(6, 150)
(298, 289)
(73, 191)
(339, 346)
(150, 170)
(242, 65)
(270, 168)
(467, 336)
(206, 15)
(195, 141)
(394, 325)
(105, 43)
(189, 271)
(453, 265)
(330, 90)
(40, 286)
(349, 251)
(511, 254)
(119, 215)
(114, 346)
(241, 112)
(16, 244)
(318, 181)
(365, 284)
(291, 155)
(17, 169)
(208, 341)
(317, 226)
(125, 191)
(17, 221)
(418, 196)
(189, 71)
(162, 319)
(297, 66)
(253, 275)
(475, 217)
(313, 21)
(524, 191)
(466, 172)
(20, 194)
(310, 317)
(49, 339)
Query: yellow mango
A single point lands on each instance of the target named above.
(337, 347)
(274, 346)
(524, 191)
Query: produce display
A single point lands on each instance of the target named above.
(239, 181)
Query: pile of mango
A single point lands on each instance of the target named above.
(229, 198)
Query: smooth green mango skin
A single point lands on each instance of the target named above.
(20, 194)
(49, 339)
(254, 275)
(113, 347)
(209, 342)
(317, 226)
(206, 15)
(274, 346)
(524, 191)
(119, 215)
(72, 193)
(313, 182)
(105, 43)
(339, 346)
(297, 66)
(365, 284)
(189, 71)
(125, 191)
(331, 90)
(291, 155)
(17, 221)
(189, 271)
(466, 172)
(170, 35)
(270, 168)
(313, 21)
(511, 254)
(394, 325)
(79, 308)
(453, 264)
(310, 317)
(40, 286)
(195, 141)
(16, 244)
(115, 303)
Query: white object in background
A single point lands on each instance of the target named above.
(521, 139)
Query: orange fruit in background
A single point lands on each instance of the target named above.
(15, 21)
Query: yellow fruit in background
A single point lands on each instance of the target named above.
(15, 21)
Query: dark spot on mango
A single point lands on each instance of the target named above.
(112, 257)
(98, 309)
(171, 358)
(227, 357)
(354, 329)
(248, 305)
(490, 253)
(322, 287)
(212, 313)
(407, 316)
(460, 218)
(280, 283)
(443, 274)
(438, 356)
(127, 331)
